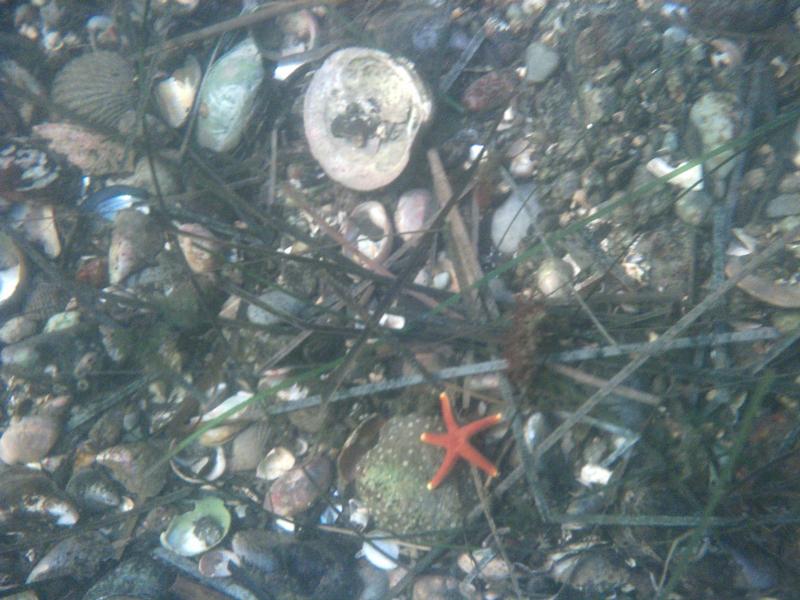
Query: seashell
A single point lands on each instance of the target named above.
(491, 90)
(198, 530)
(300, 32)
(249, 447)
(380, 551)
(29, 439)
(98, 86)
(13, 271)
(38, 223)
(228, 96)
(216, 563)
(94, 491)
(28, 493)
(134, 242)
(414, 209)
(362, 112)
(139, 466)
(370, 230)
(77, 556)
(27, 170)
(691, 179)
(137, 578)
(175, 95)
(199, 468)
(256, 548)
(200, 248)
(112, 199)
(298, 489)
(276, 463)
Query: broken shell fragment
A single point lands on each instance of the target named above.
(200, 248)
(13, 271)
(361, 114)
(198, 530)
(175, 95)
(228, 96)
(278, 461)
(369, 230)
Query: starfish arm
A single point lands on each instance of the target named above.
(447, 412)
(447, 465)
(472, 428)
(470, 454)
(436, 439)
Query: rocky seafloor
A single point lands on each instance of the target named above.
(246, 245)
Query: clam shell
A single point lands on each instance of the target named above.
(362, 112)
(198, 530)
(277, 462)
(98, 86)
(369, 229)
(175, 95)
(249, 447)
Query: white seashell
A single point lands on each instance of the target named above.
(382, 553)
(691, 179)
(278, 461)
(175, 95)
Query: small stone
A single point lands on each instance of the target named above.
(277, 299)
(28, 439)
(61, 321)
(692, 208)
(16, 329)
(512, 219)
(540, 62)
(784, 205)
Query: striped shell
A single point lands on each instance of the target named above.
(98, 86)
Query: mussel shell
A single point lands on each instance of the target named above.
(257, 549)
(98, 86)
(139, 466)
(114, 198)
(30, 494)
(78, 556)
(138, 577)
(94, 491)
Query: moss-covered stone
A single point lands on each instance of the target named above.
(392, 481)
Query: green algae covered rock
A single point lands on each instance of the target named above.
(391, 479)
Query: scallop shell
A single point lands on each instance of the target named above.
(98, 86)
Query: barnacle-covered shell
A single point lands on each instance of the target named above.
(98, 86)
(227, 97)
(361, 114)
(198, 530)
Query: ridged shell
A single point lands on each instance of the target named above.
(98, 86)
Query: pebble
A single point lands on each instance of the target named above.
(540, 62)
(712, 117)
(16, 329)
(784, 205)
(512, 219)
(277, 299)
(692, 208)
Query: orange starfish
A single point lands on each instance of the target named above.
(456, 442)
